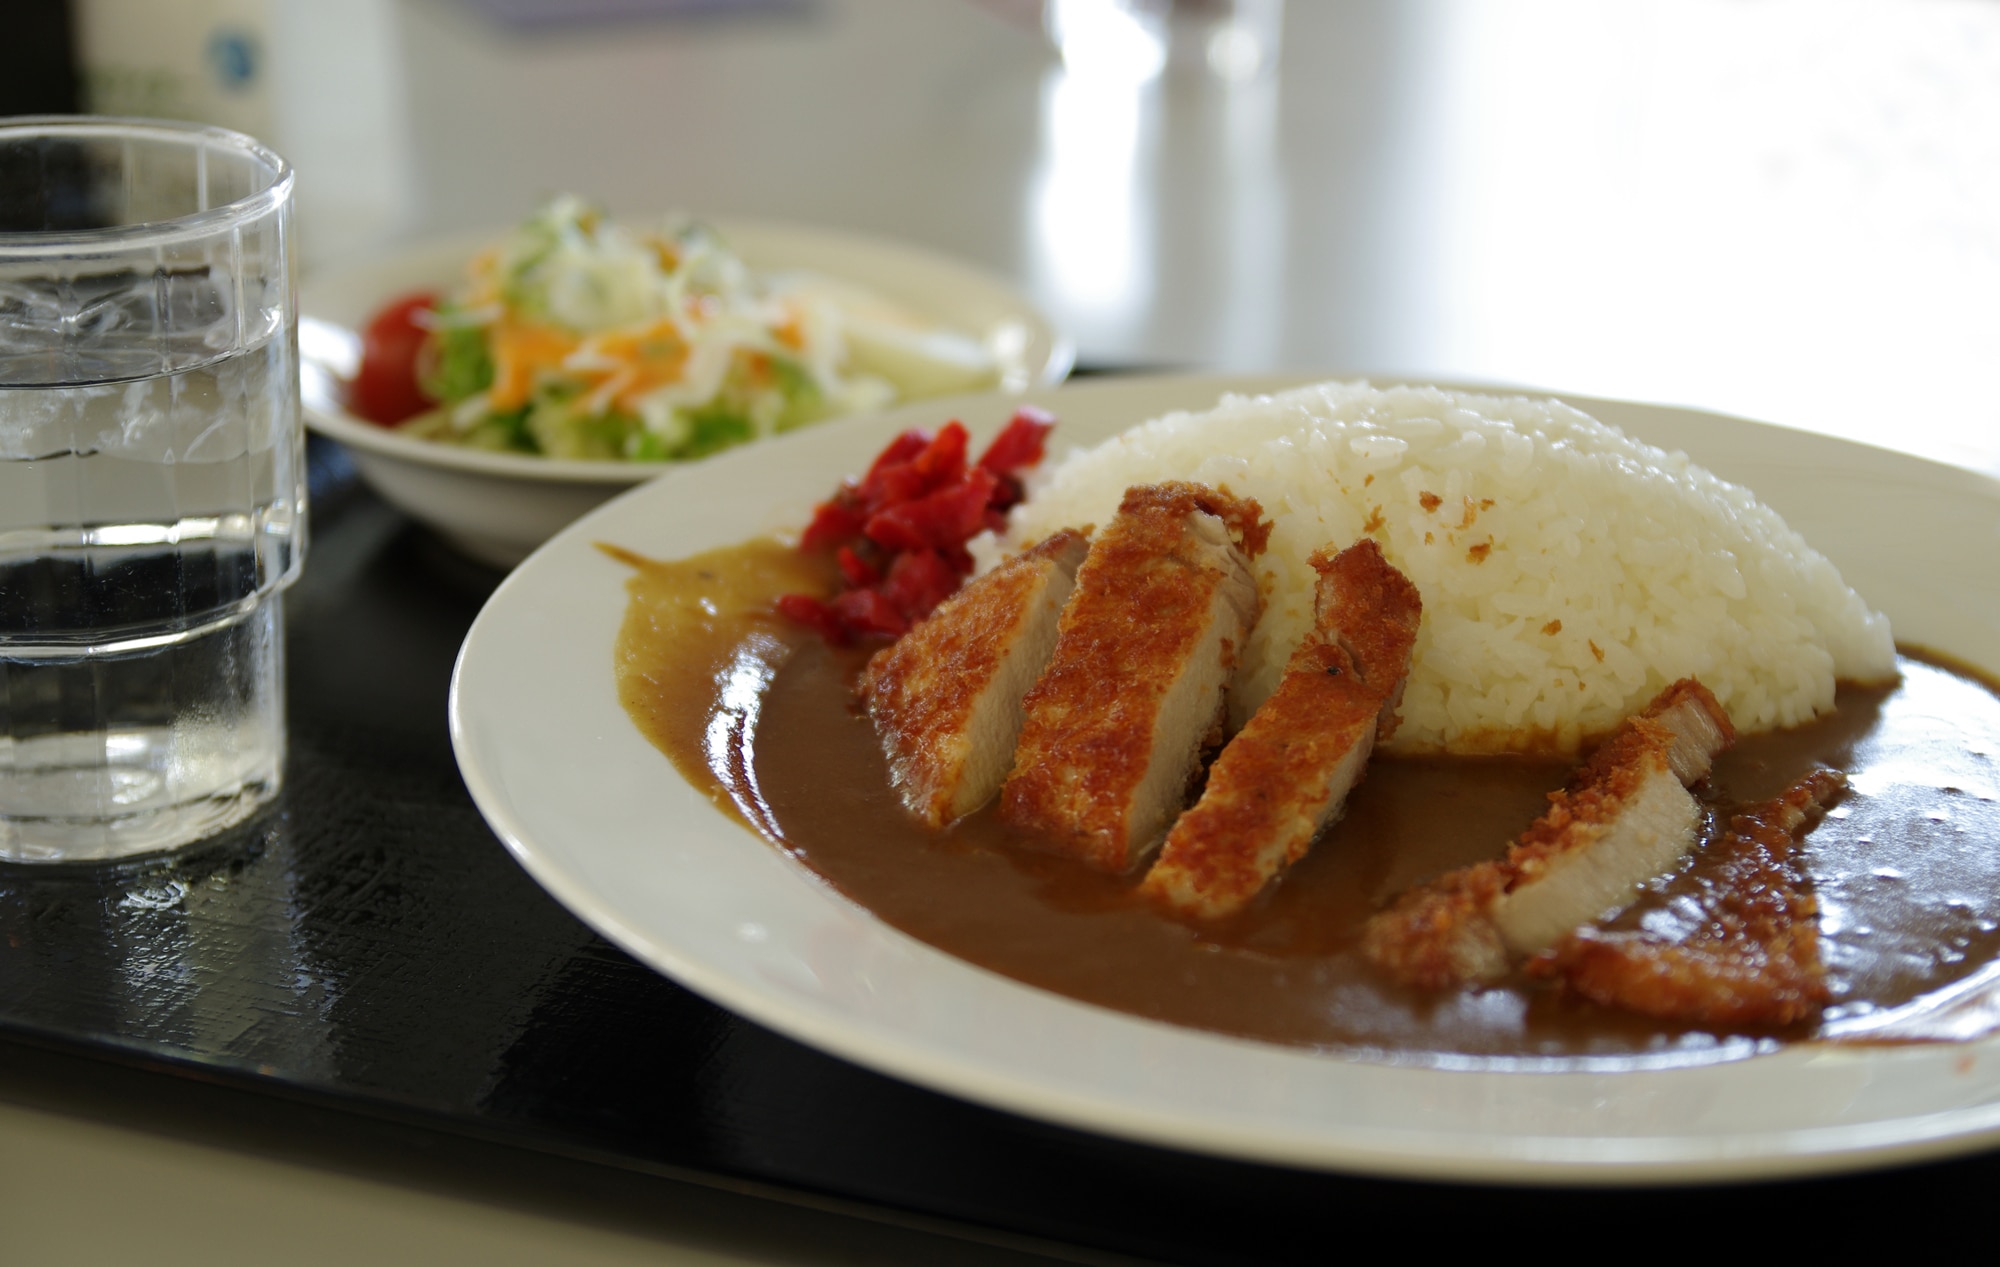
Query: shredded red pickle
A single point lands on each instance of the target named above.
(898, 533)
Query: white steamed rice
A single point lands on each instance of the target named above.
(1568, 572)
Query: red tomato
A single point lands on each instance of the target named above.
(385, 390)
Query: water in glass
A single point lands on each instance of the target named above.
(147, 526)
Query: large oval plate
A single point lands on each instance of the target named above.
(606, 824)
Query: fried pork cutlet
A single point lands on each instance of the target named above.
(1625, 817)
(946, 696)
(1287, 773)
(1115, 727)
(1751, 954)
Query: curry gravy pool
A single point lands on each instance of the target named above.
(759, 713)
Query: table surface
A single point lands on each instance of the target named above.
(1787, 210)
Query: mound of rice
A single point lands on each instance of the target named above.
(1568, 572)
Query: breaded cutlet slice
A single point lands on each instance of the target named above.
(1287, 773)
(1115, 727)
(1625, 817)
(1747, 953)
(946, 696)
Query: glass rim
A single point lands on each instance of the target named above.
(39, 242)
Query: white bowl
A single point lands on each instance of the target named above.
(498, 507)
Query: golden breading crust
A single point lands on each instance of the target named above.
(1174, 498)
(1752, 956)
(1372, 610)
(1287, 773)
(1444, 933)
(1159, 583)
(932, 692)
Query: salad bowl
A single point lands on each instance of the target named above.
(499, 506)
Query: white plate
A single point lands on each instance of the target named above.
(499, 506)
(604, 822)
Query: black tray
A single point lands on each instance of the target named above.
(370, 947)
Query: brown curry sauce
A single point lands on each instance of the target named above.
(1906, 867)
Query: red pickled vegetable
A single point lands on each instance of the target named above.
(857, 570)
(900, 450)
(898, 533)
(949, 516)
(1015, 451)
(1018, 447)
(918, 581)
(938, 464)
(834, 522)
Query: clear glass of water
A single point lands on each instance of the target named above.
(152, 505)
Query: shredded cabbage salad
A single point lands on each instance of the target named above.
(579, 338)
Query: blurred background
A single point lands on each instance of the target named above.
(1788, 209)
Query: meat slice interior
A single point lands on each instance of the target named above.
(1746, 954)
(1288, 772)
(1113, 731)
(1625, 817)
(945, 698)
(1618, 835)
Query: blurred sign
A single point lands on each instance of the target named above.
(205, 60)
(550, 14)
(320, 81)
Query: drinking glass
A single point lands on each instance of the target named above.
(152, 508)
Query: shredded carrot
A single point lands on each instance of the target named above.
(521, 354)
(791, 331)
(644, 358)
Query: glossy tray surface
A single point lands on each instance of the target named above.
(371, 946)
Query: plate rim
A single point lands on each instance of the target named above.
(1553, 1158)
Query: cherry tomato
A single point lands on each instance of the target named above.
(385, 390)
